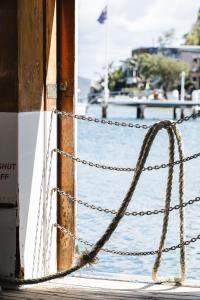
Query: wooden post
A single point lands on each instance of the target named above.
(66, 141)
(28, 136)
(174, 113)
(9, 229)
(104, 110)
(50, 32)
(182, 113)
(140, 112)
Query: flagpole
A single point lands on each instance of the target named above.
(106, 78)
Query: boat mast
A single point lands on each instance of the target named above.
(182, 86)
(182, 96)
(106, 78)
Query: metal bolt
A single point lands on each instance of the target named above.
(63, 86)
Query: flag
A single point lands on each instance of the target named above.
(103, 16)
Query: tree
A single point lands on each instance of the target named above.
(155, 69)
(166, 38)
(116, 78)
(193, 37)
(161, 71)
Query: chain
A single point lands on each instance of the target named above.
(127, 253)
(122, 169)
(102, 121)
(187, 118)
(134, 213)
(63, 114)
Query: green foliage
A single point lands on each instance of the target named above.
(193, 37)
(116, 79)
(155, 69)
(161, 71)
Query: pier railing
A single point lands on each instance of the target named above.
(89, 256)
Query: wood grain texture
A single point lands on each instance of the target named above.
(66, 142)
(30, 55)
(102, 288)
(50, 45)
(27, 54)
(8, 56)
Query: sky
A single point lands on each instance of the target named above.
(132, 24)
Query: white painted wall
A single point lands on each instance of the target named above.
(27, 140)
(37, 178)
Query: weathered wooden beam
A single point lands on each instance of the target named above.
(66, 127)
(30, 55)
(8, 57)
(50, 33)
(37, 135)
(9, 229)
(28, 136)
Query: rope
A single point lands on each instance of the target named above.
(181, 212)
(90, 256)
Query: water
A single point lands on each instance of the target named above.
(120, 146)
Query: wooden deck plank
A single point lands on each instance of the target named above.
(90, 295)
(99, 287)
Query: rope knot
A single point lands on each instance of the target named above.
(86, 259)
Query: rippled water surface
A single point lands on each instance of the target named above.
(120, 146)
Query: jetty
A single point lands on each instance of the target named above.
(141, 105)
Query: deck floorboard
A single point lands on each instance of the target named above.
(85, 287)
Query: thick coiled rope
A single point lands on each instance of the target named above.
(167, 205)
(90, 256)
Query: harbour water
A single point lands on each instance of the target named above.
(120, 146)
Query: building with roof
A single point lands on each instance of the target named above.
(189, 54)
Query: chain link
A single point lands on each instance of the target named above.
(134, 213)
(101, 121)
(122, 169)
(63, 114)
(187, 118)
(127, 253)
